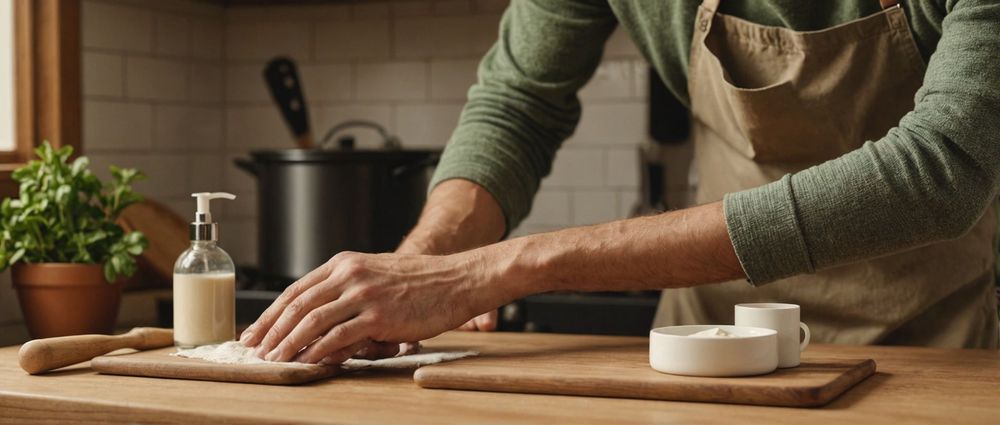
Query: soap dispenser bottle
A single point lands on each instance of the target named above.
(204, 283)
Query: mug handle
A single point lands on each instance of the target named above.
(805, 341)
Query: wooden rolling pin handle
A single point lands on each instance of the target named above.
(41, 355)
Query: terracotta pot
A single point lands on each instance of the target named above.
(60, 299)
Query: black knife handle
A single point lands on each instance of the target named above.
(282, 79)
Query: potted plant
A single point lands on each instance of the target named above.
(66, 253)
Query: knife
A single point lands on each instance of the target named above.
(282, 78)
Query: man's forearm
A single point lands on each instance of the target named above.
(459, 215)
(676, 249)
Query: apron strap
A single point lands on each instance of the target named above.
(712, 5)
(884, 3)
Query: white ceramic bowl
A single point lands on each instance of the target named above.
(750, 351)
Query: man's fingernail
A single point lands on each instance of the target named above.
(259, 352)
(244, 337)
(272, 356)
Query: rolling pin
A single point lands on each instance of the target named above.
(41, 355)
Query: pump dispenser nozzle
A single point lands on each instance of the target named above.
(203, 228)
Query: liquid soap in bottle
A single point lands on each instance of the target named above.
(204, 283)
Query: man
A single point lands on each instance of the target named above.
(848, 155)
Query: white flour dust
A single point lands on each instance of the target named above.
(233, 352)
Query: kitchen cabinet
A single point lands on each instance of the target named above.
(913, 385)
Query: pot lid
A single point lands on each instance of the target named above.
(353, 155)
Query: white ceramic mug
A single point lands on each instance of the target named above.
(783, 318)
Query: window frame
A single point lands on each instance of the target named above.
(47, 82)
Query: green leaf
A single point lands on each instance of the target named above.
(109, 273)
(64, 213)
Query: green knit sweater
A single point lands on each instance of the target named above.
(929, 179)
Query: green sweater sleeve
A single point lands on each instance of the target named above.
(929, 179)
(525, 104)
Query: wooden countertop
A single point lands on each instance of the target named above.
(917, 385)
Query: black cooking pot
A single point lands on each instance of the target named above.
(313, 203)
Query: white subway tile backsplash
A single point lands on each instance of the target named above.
(372, 10)
(205, 82)
(239, 239)
(592, 207)
(244, 206)
(246, 83)
(391, 81)
(328, 116)
(404, 64)
(109, 26)
(206, 176)
(550, 208)
(427, 125)
(612, 80)
(188, 128)
(445, 37)
(116, 126)
(102, 74)
(451, 79)
(172, 36)
(166, 174)
(235, 179)
(490, 5)
(452, 7)
(620, 45)
(158, 79)
(577, 168)
(623, 168)
(256, 127)
(206, 38)
(184, 207)
(612, 124)
(532, 229)
(367, 39)
(627, 200)
(325, 82)
(186, 7)
(409, 9)
(260, 40)
(288, 13)
(640, 80)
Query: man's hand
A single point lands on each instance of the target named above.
(336, 310)
(483, 322)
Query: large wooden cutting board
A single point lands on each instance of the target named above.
(618, 367)
(160, 364)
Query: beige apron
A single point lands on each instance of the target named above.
(769, 101)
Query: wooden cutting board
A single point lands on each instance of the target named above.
(160, 364)
(620, 368)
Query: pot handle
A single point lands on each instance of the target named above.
(407, 169)
(246, 165)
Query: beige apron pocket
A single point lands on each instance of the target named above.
(777, 125)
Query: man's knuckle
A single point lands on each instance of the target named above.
(295, 308)
(274, 331)
(338, 333)
(366, 293)
(314, 318)
(375, 319)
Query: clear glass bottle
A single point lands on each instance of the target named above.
(204, 284)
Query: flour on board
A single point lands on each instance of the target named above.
(233, 352)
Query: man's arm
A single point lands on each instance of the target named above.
(354, 298)
(929, 179)
(459, 215)
(681, 248)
